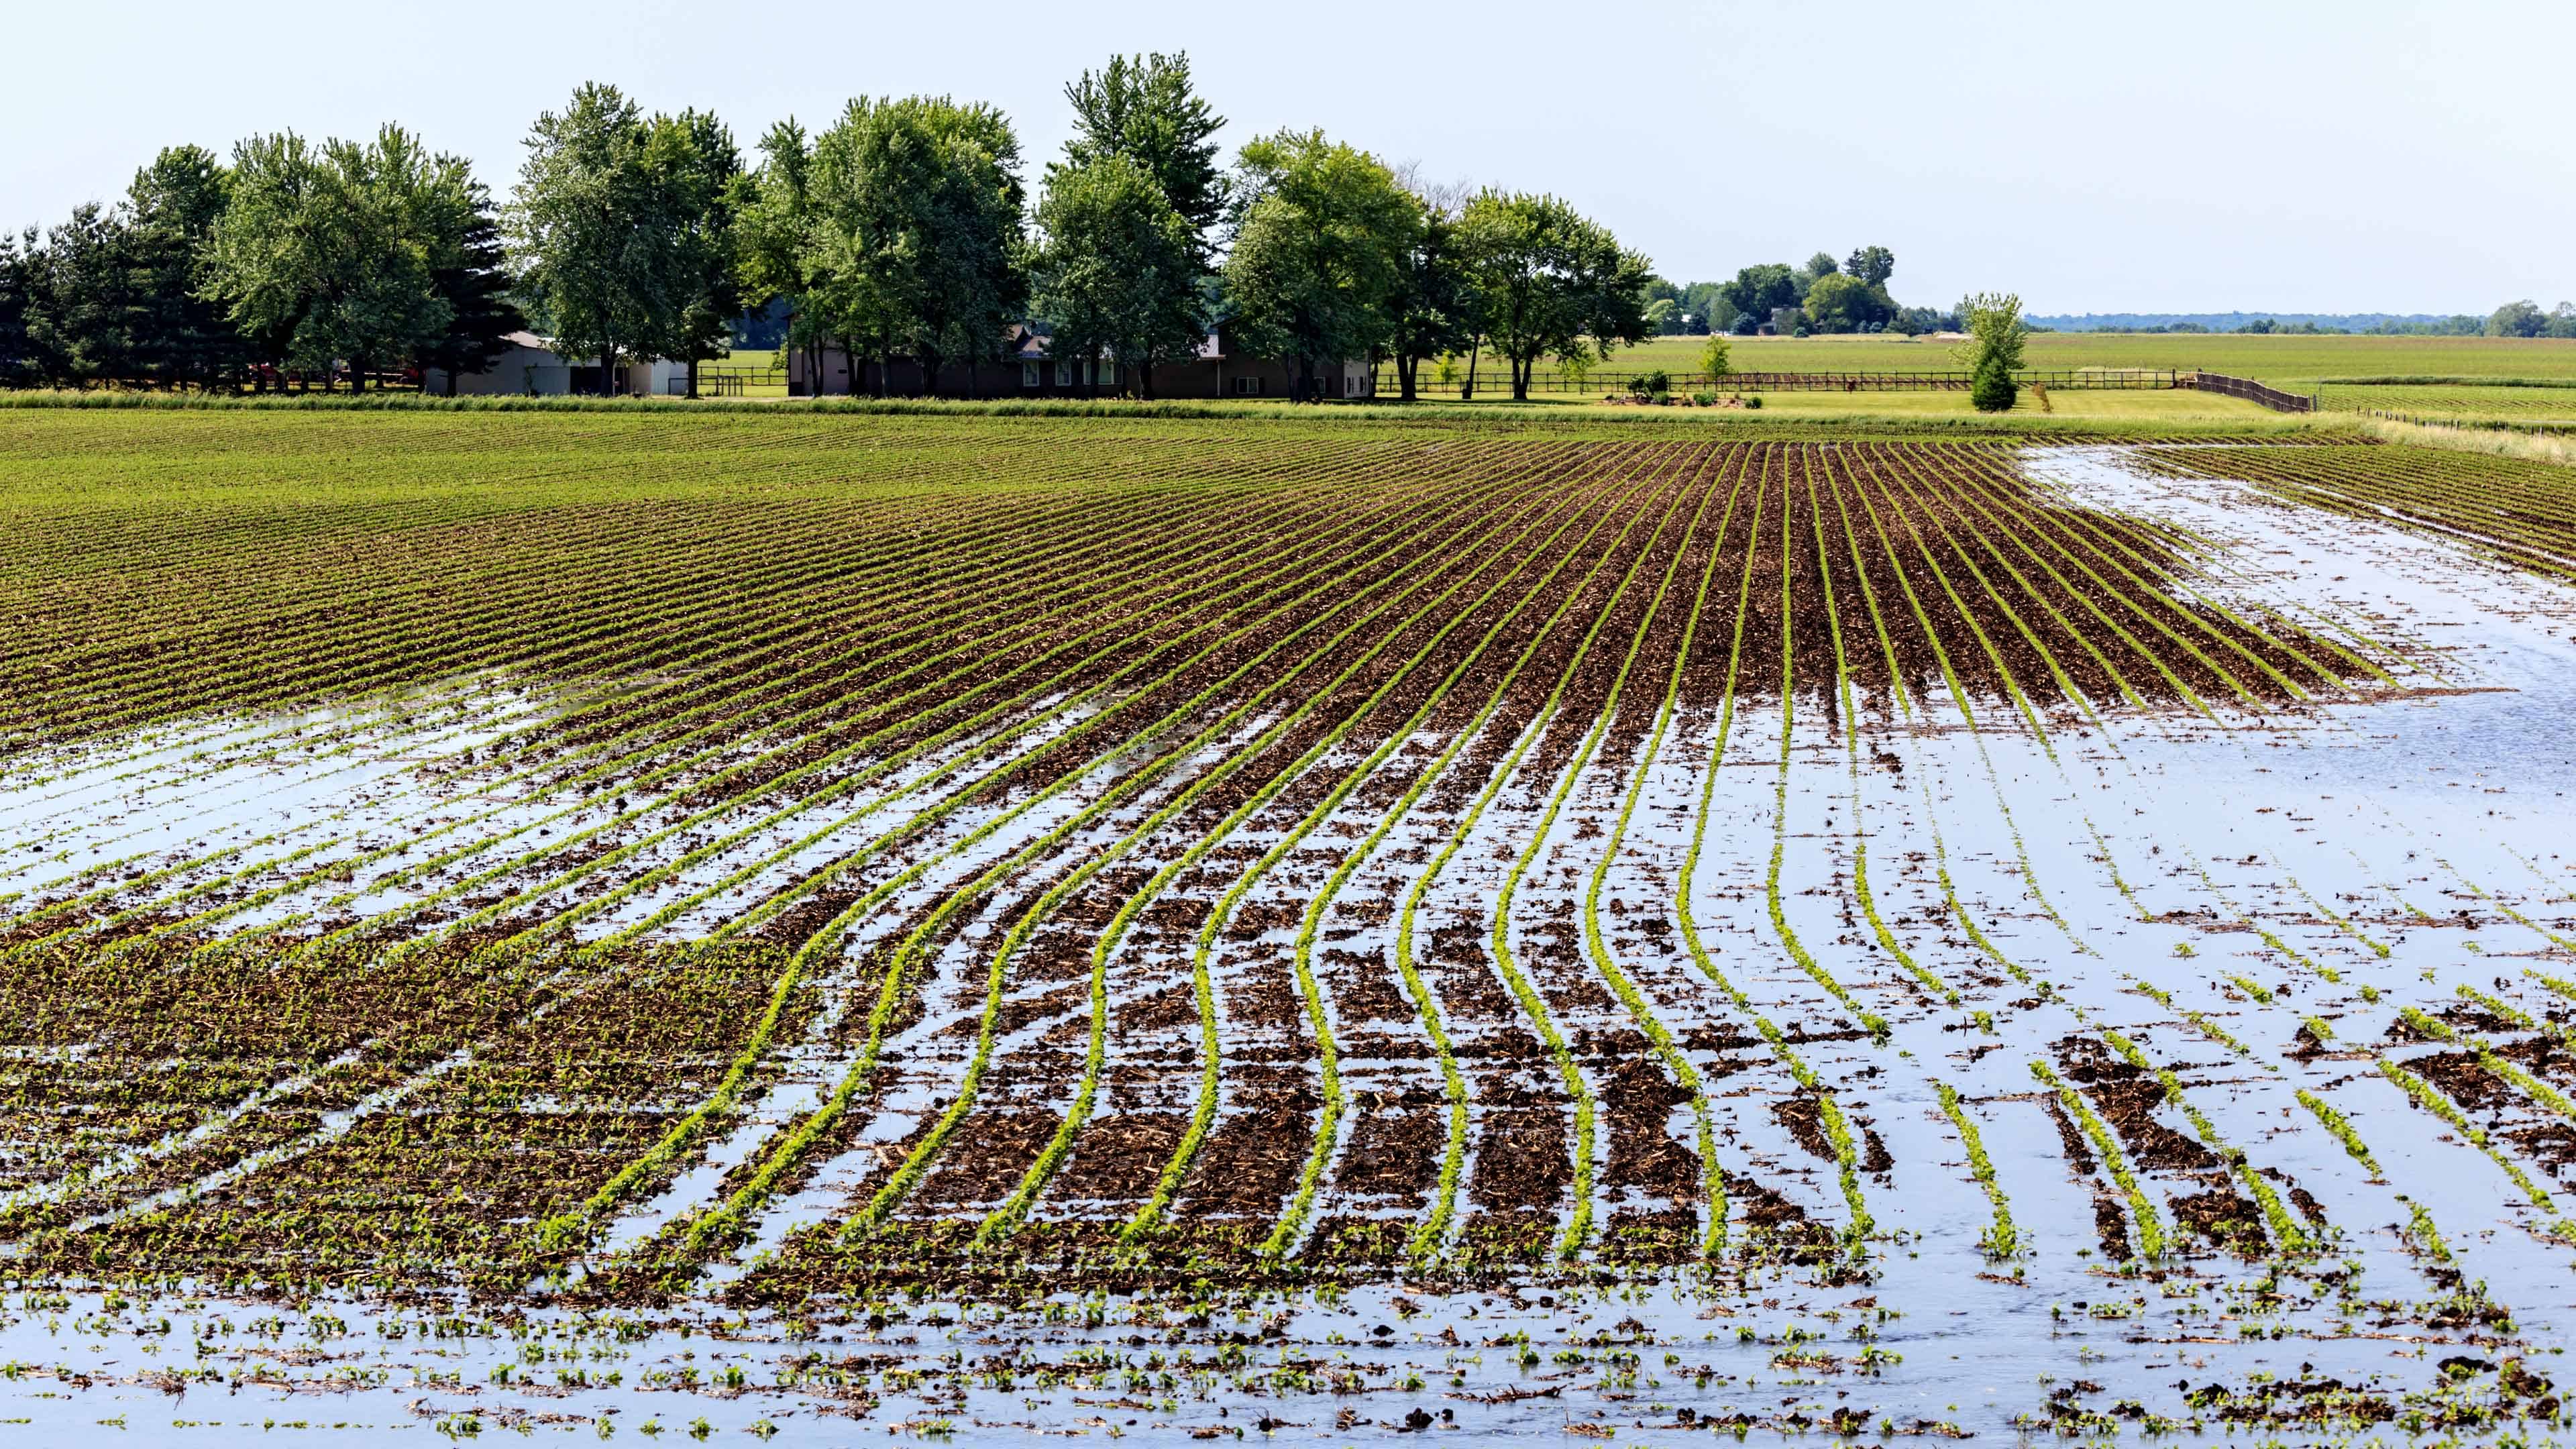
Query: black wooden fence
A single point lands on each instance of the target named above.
(2058, 379)
(2250, 390)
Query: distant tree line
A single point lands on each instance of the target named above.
(1822, 296)
(2513, 319)
(902, 229)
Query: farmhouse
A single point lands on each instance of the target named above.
(1030, 368)
(530, 367)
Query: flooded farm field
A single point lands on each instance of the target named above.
(907, 928)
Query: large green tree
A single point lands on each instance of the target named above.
(1116, 268)
(1552, 281)
(477, 284)
(1318, 248)
(699, 174)
(20, 363)
(1143, 107)
(778, 249)
(1433, 310)
(1757, 291)
(915, 246)
(180, 336)
(1871, 265)
(78, 298)
(2518, 319)
(600, 237)
(332, 253)
(1993, 350)
(1845, 303)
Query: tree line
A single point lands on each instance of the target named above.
(1824, 295)
(904, 229)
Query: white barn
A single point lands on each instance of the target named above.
(530, 367)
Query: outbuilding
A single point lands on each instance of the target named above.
(530, 367)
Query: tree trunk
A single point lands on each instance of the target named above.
(1521, 378)
(1406, 369)
(693, 379)
(1145, 380)
(929, 373)
(1475, 350)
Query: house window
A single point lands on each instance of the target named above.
(1104, 375)
(1064, 373)
(1028, 374)
(1248, 386)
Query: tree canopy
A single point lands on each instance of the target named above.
(334, 252)
(1552, 281)
(1315, 262)
(594, 228)
(1144, 108)
(915, 247)
(1116, 268)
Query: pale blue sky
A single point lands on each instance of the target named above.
(2293, 155)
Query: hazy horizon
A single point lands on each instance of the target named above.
(2296, 158)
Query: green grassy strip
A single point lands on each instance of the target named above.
(2151, 1231)
(826, 939)
(2340, 1126)
(2287, 1231)
(916, 1164)
(1203, 1110)
(1870, 1020)
(1007, 1218)
(1851, 734)
(1862, 1223)
(2000, 1239)
(2432, 1100)
(1642, 1012)
(1578, 1228)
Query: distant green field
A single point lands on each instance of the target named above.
(2528, 405)
(2441, 373)
(2292, 363)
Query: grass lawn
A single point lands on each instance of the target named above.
(2166, 406)
(2144, 406)
(2294, 363)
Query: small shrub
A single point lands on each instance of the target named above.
(1704, 399)
(1754, 401)
(1991, 390)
